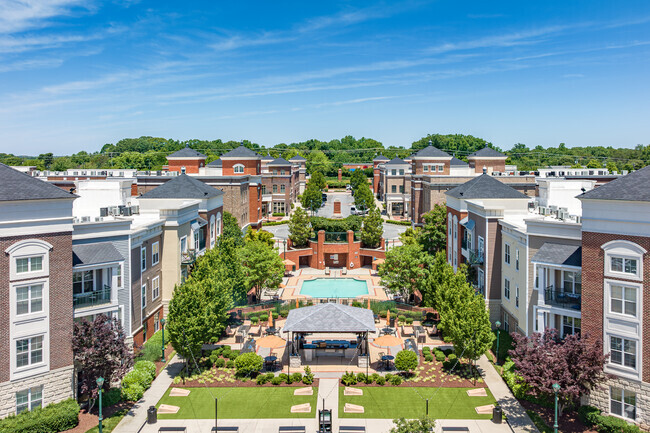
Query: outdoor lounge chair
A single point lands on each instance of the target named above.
(407, 331)
(344, 271)
(255, 330)
(229, 331)
(327, 270)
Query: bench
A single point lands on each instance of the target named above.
(351, 428)
(291, 428)
(172, 429)
(218, 429)
(446, 429)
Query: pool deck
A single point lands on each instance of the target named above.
(293, 283)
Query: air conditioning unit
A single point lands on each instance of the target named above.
(579, 219)
(126, 211)
(564, 209)
(103, 211)
(85, 219)
(553, 208)
(543, 210)
(98, 219)
(135, 209)
(114, 210)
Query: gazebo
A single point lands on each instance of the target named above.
(307, 327)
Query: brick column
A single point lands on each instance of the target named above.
(321, 250)
(340, 174)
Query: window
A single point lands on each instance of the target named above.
(275, 188)
(29, 399)
(401, 172)
(506, 288)
(156, 323)
(622, 403)
(143, 258)
(184, 244)
(570, 325)
(517, 259)
(29, 264)
(183, 169)
(626, 266)
(155, 253)
(155, 288)
(481, 246)
(517, 296)
(425, 168)
(282, 172)
(572, 282)
(143, 295)
(119, 275)
(263, 189)
(197, 239)
(238, 168)
(622, 352)
(481, 280)
(507, 253)
(506, 322)
(393, 172)
(282, 189)
(29, 299)
(401, 189)
(82, 282)
(393, 188)
(29, 351)
(623, 300)
(275, 172)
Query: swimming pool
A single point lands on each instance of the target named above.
(334, 288)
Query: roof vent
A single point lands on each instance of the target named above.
(484, 170)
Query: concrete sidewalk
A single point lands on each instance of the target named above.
(516, 415)
(137, 416)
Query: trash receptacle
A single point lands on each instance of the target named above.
(497, 415)
(152, 415)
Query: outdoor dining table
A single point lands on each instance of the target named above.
(271, 331)
(388, 330)
(386, 360)
(270, 361)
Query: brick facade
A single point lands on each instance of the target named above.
(191, 165)
(251, 166)
(138, 314)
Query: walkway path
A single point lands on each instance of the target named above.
(137, 416)
(517, 417)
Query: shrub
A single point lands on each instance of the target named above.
(409, 320)
(381, 380)
(111, 397)
(406, 360)
(388, 376)
(248, 363)
(255, 320)
(233, 354)
(395, 380)
(426, 349)
(270, 375)
(296, 377)
(264, 317)
(283, 376)
(275, 315)
(146, 366)
(428, 358)
(230, 364)
(374, 377)
(225, 353)
(452, 359)
(447, 352)
(278, 214)
(308, 378)
(440, 357)
(349, 379)
(401, 319)
(132, 392)
(592, 417)
(383, 314)
(50, 419)
(151, 350)
(276, 380)
(214, 356)
(261, 379)
(399, 223)
(361, 377)
(220, 363)
(136, 377)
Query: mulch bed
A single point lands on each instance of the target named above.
(237, 383)
(89, 420)
(569, 422)
(159, 364)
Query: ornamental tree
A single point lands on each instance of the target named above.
(364, 199)
(403, 271)
(406, 360)
(421, 425)
(100, 350)
(299, 228)
(317, 179)
(372, 229)
(259, 235)
(263, 267)
(248, 363)
(433, 235)
(231, 229)
(575, 363)
(312, 198)
(357, 178)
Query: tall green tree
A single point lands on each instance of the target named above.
(404, 269)
(364, 199)
(260, 235)
(372, 229)
(357, 178)
(420, 425)
(299, 228)
(433, 236)
(231, 229)
(263, 267)
(439, 276)
(318, 180)
(312, 198)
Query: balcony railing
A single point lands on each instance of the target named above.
(464, 244)
(91, 299)
(559, 298)
(188, 257)
(475, 257)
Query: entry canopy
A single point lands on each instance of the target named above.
(330, 318)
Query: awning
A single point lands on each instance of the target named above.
(467, 223)
(95, 254)
(330, 318)
(559, 254)
(198, 223)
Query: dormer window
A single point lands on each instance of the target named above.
(238, 169)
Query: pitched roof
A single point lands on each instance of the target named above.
(632, 187)
(279, 161)
(183, 186)
(215, 163)
(396, 161)
(240, 152)
(458, 162)
(297, 158)
(430, 152)
(380, 157)
(330, 318)
(15, 185)
(559, 254)
(267, 157)
(186, 152)
(95, 254)
(485, 186)
(487, 152)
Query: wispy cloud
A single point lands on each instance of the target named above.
(23, 65)
(484, 16)
(21, 15)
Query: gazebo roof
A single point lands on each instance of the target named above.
(329, 317)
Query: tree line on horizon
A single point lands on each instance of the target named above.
(149, 153)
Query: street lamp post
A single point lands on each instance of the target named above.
(498, 325)
(285, 249)
(100, 385)
(162, 324)
(556, 388)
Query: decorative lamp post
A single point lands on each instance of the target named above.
(285, 249)
(498, 325)
(162, 324)
(556, 388)
(100, 385)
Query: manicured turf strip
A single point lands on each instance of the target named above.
(392, 402)
(239, 403)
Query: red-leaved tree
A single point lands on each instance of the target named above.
(575, 363)
(100, 350)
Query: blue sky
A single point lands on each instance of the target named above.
(77, 74)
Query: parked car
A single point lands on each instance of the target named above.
(353, 210)
(348, 187)
(324, 197)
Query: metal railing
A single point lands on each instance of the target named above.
(336, 237)
(188, 257)
(476, 257)
(90, 299)
(559, 298)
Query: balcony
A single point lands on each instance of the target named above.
(92, 299)
(188, 257)
(475, 257)
(557, 297)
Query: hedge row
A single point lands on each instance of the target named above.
(53, 418)
(274, 223)
(399, 223)
(138, 380)
(592, 417)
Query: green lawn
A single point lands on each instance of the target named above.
(239, 403)
(108, 424)
(410, 402)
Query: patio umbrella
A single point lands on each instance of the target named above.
(387, 341)
(369, 303)
(271, 342)
(288, 262)
(297, 303)
(270, 319)
(388, 318)
(378, 262)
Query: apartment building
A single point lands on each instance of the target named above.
(280, 185)
(615, 278)
(395, 187)
(301, 164)
(36, 309)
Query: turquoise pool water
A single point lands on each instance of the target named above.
(334, 288)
